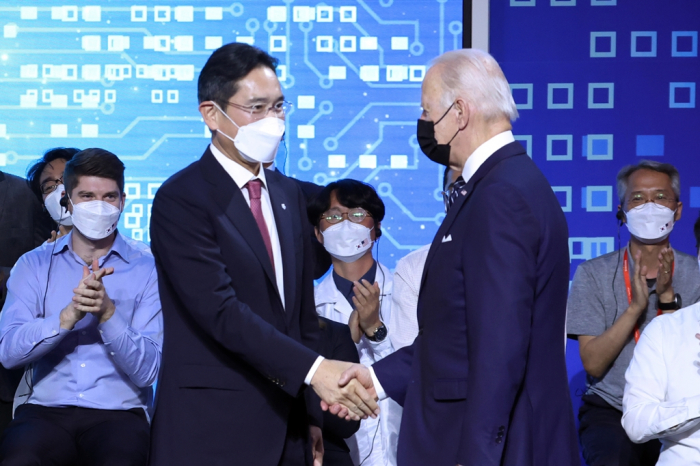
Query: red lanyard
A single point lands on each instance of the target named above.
(628, 285)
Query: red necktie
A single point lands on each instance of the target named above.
(254, 186)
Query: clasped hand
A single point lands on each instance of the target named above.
(346, 390)
(89, 297)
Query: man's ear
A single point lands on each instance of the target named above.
(123, 202)
(209, 114)
(377, 230)
(463, 113)
(679, 209)
(319, 236)
(620, 215)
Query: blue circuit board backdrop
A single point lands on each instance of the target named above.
(123, 76)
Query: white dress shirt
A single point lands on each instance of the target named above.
(475, 160)
(403, 324)
(375, 443)
(662, 393)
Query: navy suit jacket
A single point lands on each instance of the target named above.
(234, 360)
(485, 381)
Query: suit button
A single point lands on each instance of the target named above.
(502, 429)
(498, 440)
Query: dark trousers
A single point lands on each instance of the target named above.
(70, 436)
(603, 440)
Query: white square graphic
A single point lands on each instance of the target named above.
(348, 14)
(59, 101)
(70, 13)
(3, 159)
(562, 3)
(183, 43)
(3, 130)
(59, 131)
(568, 138)
(91, 72)
(348, 43)
(568, 191)
(324, 14)
(336, 161)
(92, 43)
(693, 52)
(277, 14)
(399, 43)
(324, 43)
(173, 96)
(29, 71)
(368, 161)
(92, 14)
(416, 73)
(368, 43)
(337, 72)
(89, 131)
(569, 87)
(591, 138)
(278, 43)
(161, 13)
(118, 43)
(139, 14)
(522, 3)
(110, 96)
(160, 43)
(213, 13)
(529, 88)
(396, 73)
(633, 46)
(369, 73)
(250, 40)
(30, 99)
(672, 95)
(594, 53)
(69, 72)
(603, 2)
(156, 96)
(57, 13)
(213, 42)
(9, 31)
(306, 102)
(306, 131)
(28, 12)
(611, 95)
(303, 14)
(399, 161)
(184, 14)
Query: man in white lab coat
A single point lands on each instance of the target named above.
(347, 217)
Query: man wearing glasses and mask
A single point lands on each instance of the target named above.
(347, 216)
(614, 297)
(236, 286)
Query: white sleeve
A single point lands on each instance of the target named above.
(646, 412)
(403, 323)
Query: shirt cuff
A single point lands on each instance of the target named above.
(112, 329)
(313, 370)
(381, 394)
(51, 327)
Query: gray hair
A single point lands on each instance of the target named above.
(475, 76)
(624, 174)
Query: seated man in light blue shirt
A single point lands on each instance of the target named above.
(83, 314)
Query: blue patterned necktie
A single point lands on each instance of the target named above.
(458, 189)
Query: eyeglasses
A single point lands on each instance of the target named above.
(355, 215)
(49, 186)
(660, 198)
(259, 110)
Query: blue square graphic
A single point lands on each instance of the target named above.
(650, 145)
(559, 147)
(521, 96)
(599, 198)
(644, 44)
(560, 96)
(561, 197)
(601, 95)
(695, 196)
(684, 44)
(681, 95)
(603, 44)
(600, 147)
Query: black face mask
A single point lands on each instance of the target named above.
(438, 153)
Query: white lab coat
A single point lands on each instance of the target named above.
(330, 303)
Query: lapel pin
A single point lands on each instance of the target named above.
(284, 207)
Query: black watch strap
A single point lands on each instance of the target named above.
(673, 305)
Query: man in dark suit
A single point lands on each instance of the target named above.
(485, 380)
(236, 287)
(23, 226)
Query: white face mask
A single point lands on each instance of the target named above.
(650, 222)
(95, 219)
(257, 141)
(58, 213)
(347, 241)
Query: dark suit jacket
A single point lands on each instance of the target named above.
(336, 343)
(23, 226)
(234, 360)
(485, 381)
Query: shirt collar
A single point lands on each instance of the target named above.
(345, 286)
(485, 151)
(119, 247)
(236, 171)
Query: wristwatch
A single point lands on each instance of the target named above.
(379, 333)
(673, 305)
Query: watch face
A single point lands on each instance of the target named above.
(380, 334)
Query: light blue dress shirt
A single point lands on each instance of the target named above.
(106, 366)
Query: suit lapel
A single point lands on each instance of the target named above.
(282, 208)
(507, 151)
(231, 201)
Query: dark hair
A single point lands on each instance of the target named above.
(93, 162)
(350, 193)
(219, 78)
(34, 171)
(696, 230)
(624, 174)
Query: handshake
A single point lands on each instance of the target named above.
(346, 390)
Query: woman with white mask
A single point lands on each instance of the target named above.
(347, 217)
(45, 178)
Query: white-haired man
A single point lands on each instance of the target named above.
(485, 380)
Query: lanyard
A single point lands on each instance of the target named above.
(628, 286)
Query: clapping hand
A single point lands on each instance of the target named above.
(93, 296)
